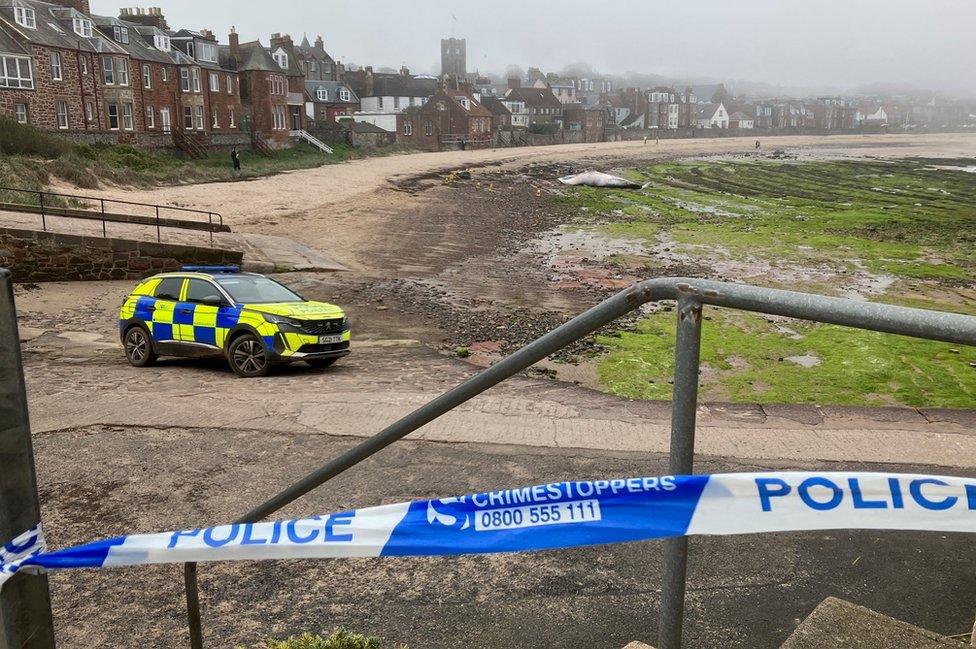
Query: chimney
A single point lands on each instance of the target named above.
(80, 5)
(405, 71)
(151, 17)
(319, 43)
(279, 40)
(235, 47)
(206, 33)
(369, 81)
(514, 82)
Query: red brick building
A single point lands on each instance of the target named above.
(264, 88)
(451, 118)
(328, 100)
(590, 120)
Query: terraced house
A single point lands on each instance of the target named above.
(102, 78)
(50, 58)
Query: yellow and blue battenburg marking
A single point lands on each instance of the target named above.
(548, 517)
(181, 321)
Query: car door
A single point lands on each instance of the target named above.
(197, 314)
(163, 310)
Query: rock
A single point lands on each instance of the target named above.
(843, 625)
(638, 645)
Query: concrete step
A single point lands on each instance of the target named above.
(838, 624)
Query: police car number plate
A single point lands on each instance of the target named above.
(329, 340)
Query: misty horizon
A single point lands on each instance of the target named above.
(831, 47)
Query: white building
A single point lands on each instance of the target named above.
(520, 116)
(713, 116)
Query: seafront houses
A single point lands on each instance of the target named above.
(712, 116)
(51, 58)
(317, 64)
(545, 112)
(328, 100)
(265, 91)
(451, 118)
(383, 96)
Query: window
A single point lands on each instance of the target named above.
(127, 122)
(61, 108)
(150, 117)
(161, 42)
(165, 73)
(20, 113)
(281, 58)
(25, 17)
(82, 27)
(164, 118)
(214, 82)
(207, 52)
(232, 125)
(15, 72)
(188, 118)
(122, 67)
(169, 289)
(215, 119)
(396, 103)
(429, 128)
(121, 34)
(108, 67)
(199, 118)
(147, 76)
(113, 117)
(56, 66)
(407, 127)
(198, 290)
(322, 94)
(185, 79)
(230, 85)
(379, 103)
(196, 79)
(84, 66)
(89, 112)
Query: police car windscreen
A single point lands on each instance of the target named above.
(257, 290)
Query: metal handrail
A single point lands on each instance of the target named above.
(159, 222)
(692, 295)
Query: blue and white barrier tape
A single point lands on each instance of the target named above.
(545, 517)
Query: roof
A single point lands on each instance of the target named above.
(400, 85)
(633, 118)
(737, 115)
(53, 27)
(10, 45)
(140, 46)
(333, 87)
(494, 105)
(474, 108)
(294, 69)
(535, 97)
(707, 110)
(255, 57)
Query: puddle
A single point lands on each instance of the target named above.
(808, 360)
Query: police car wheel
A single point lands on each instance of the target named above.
(138, 347)
(248, 357)
(321, 363)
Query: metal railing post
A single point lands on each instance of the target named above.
(40, 198)
(687, 350)
(159, 237)
(26, 621)
(193, 605)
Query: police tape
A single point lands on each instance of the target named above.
(547, 517)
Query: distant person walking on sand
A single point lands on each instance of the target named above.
(645, 140)
(235, 159)
(757, 145)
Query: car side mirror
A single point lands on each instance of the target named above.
(214, 300)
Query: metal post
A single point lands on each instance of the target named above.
(210, 222)
(40, 198)
(104, 233)
(158, 235)
(193, 605)
(687, 351)
(25, 602)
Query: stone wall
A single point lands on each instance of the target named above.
(36, 256)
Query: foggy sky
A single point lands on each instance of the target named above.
(828, 44)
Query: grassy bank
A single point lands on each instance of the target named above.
(33, 159)
(908, 225)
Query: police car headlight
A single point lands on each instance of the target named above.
(345, 322)
(284, 324)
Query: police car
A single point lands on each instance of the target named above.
(251, 320)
